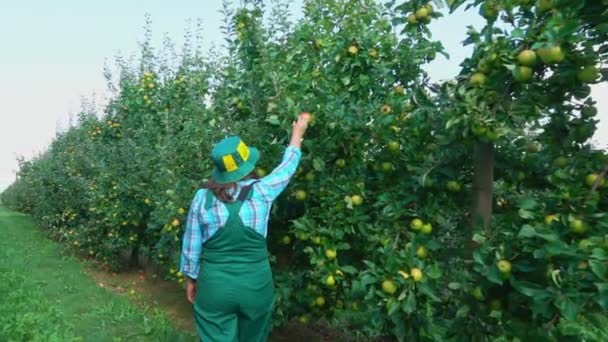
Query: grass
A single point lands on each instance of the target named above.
(46, 295)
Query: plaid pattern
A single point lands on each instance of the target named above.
(202, 224)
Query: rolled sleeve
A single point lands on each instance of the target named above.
(193, 240)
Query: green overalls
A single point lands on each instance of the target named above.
(234, 290)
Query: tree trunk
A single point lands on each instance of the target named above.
(483, 185)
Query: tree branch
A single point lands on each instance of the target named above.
(600, 178)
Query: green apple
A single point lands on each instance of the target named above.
(588, 74)
(522, 74)
(394, 146)
(544, 5)
(416, 224)
(484, 66)
(560, 161)
(526, 58)
(477, 293)
(427, 228)
(389, 287)
(422, 252)
(578, 226)
(478, 79)
(489, 10)
(331, 253)
(412, 19)
(301, 195)
(590, 180)
(387, 166)
(422, 13)
(454, 186)
(552, 55)
(504, 266)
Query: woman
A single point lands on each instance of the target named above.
(232, 291)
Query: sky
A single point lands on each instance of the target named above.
(53, 53)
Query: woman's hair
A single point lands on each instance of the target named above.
(223, 191)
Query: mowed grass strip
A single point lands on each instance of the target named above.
(45, 295)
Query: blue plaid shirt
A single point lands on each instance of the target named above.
(202, 224)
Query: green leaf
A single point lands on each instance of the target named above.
(548, 236)
(526, 214)
(427, 291)
(496, 314)
(387, 120)
(433, 245)
(527, 204)
(453, 121)
(557, 247)
(454, 286)
(567, 307)
(433, 272)
(290, 102)
(541, 307)
(530, 289)
(363, 80)
(348, 269)
(602, 299)
(539, 254)
(349, 202)
(527, 231)
(494, 276)
(599, 254)
(300, 224)
(518, 33)
(273, 120)
(399, 328)
(480, 239)
(393, 307)
(441, 221)
(599, 269)
(409, 305)
(356, 288)
(478, 258)
(454, 4)
(367, 280)
(463, 311)
(318, 164)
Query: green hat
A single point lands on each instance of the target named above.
(233, 160)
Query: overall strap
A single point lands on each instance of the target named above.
(209, 199)
(246, 192)
(235, 207)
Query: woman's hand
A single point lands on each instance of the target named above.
(299, 129)
(190, 289)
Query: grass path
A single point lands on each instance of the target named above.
(47, 295)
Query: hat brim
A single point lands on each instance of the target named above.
(225, 177)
